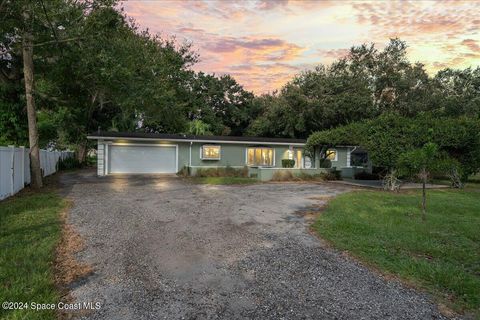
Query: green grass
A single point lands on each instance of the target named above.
(441, 255)
(30, 228)
(223, 180)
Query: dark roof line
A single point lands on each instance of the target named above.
(166, 136)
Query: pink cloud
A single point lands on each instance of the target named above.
(264, 43)
(471, 44)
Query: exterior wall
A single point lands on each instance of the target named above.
(235, 155)
(343, 163)
(349, 172)
(183, 155)
(189, 155)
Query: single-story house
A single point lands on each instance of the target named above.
(144, 153)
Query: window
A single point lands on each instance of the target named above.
(331, 155)
(260, 156)
(210, 152)
(359, 159)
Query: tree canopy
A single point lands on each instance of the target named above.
(390, 135)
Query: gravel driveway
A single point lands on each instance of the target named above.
(163, 248)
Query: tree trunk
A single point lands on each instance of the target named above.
(27, 48)
(82, 152)
(424, 199)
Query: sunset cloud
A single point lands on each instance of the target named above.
(264, 43)
(472, 45)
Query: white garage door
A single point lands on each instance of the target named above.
(142, 159)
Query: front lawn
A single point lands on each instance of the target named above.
(30, 229)
(223, 180)
(441, 255)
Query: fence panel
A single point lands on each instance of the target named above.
(18, 170)
(15, 167)
(5, 171)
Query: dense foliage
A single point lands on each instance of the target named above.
(364, 85)
(95, 69)
(390, 135)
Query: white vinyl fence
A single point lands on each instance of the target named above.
(15, 167)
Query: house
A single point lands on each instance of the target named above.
(144, 153)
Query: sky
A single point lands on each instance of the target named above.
(264, 43)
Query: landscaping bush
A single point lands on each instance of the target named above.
(366, 176)
(310, 177)
(91, 161)
(331, 176)
(302, 176)
(288, 163)
(69, 164)
(283, 175)
(222, 172)
(184, 172)
(325, 163)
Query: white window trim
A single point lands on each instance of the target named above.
(336, 153)
(260, 166)
(211, 145)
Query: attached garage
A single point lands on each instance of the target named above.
(142, 158)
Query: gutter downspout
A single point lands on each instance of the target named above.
(190, 155)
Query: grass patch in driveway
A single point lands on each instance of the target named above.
(30, 228)
(441, 255)
(223, 180)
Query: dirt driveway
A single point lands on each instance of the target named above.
(163, 248)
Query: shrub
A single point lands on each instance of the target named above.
(310, 177)
(69, 164)
(283, 175)
(331, 175)
(288, 163)
(325, 163)
(91, 161)
(366, 176)
(222, 172)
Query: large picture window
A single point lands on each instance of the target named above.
(210, 152)
(358, 159)
(260, 156)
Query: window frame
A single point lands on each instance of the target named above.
(259, 165)
(364, 163)
(211, 145)
(336, 154)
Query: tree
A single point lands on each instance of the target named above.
(198, 128)
(28, 26)
(221, 103)
(103, 81)
(363, 85)
(457, 92)
(422, 163)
